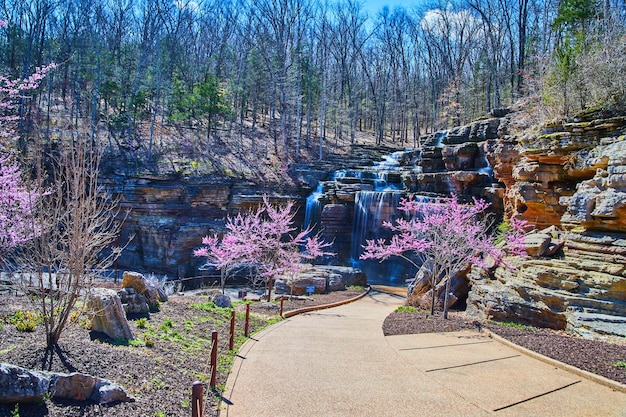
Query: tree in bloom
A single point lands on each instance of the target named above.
(16, 206)
(17, 198)
(447, 236)
(266, 240)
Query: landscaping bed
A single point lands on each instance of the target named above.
(171, 351)
(602, 357)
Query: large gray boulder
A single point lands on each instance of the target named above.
(21, 385)
(222, 301)
(108, 315)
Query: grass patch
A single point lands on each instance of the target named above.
(406, 309)
(512, 324)
(620, 364)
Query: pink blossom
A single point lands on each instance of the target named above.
(446, 234)
(265, 239)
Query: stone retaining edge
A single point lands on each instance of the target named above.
(292, 313)
(580, 372)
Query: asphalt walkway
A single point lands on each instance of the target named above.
(337, 362)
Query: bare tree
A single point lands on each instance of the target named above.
(76, 225)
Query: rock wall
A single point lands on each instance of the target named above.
(572, 175)
(169, 215)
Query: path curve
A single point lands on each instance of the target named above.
(337, 362)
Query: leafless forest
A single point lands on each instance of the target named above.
(136, 76)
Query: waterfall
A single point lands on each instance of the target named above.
(485, 169)
(313, 213)
(377, 191)
(371, 210)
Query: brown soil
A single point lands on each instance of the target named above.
(605, 358)
(159, 377)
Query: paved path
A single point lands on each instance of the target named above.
(336, 362)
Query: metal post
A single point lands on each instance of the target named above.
(231, 343)
(214, 360)
(196, 399)
(247, 325)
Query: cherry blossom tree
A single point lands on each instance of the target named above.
(446, 235)
(265, 239)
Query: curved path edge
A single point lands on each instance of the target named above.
(292, 313)
(580, 372)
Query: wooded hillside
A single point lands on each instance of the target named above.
(135, 75)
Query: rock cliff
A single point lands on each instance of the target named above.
(572, 175)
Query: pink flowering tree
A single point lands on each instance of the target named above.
(17, 196)
(16, 206)
(265, 239)
(447, 236)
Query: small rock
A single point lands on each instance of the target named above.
(107, 392)
(132, 302)
(134, 280)
(537, 244)
(74, 386)
(222, 301)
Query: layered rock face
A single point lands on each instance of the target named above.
(168, 217)
(571, 175)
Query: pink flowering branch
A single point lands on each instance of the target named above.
(446, 234)
(264, 239)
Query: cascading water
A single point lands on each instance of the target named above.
(371, 210)
(313, 211)
(486, 169)
(377, 192)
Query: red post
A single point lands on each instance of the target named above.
(196, 399)
(247, 325)
(214, 360)
(231, 343)
(282, 300)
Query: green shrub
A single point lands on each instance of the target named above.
(406, 309)
(26, 321)
(142, 323)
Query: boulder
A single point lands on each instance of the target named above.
(152, 296)
(19, 385)
(108, 315)
(74, 386)
(107, 392)
(500, 302)
(133, 303)
(134, 280)
(222, 301)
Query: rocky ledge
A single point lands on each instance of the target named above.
(581, 287)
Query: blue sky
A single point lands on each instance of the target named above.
(374, 6)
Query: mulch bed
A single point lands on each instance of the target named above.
(593, 355)
(159, 377)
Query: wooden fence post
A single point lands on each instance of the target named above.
(231, 343)
(196, 399)
(214, 360)
(282, 301)
(247, 325)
